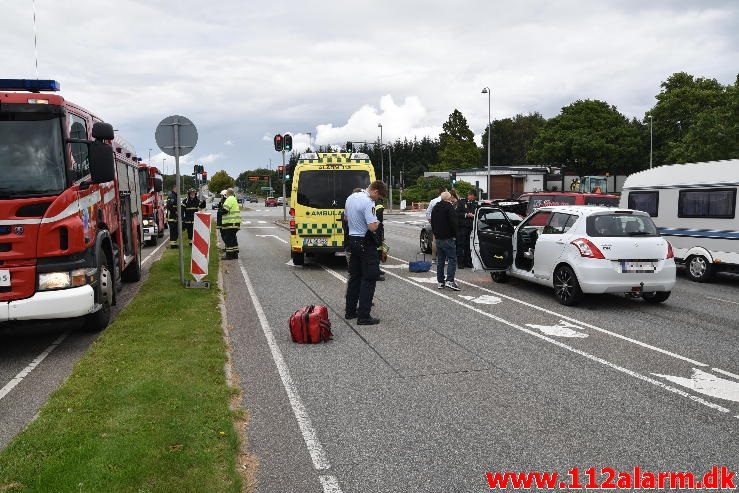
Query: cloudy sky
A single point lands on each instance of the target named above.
(245, 70)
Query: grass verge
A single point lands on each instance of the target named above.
(145, 409)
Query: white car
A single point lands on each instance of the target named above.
(576, 250)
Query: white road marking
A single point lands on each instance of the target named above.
(394, 266)
(247, 222)
(465, 297)
(315, 449)
(262, 222)
(725, 301)
(148, 257)
(707, 384)
(562, 345)
(724, 372)
(429, 280)
(334, 273)
(260, 227)
(579, 322)
(273, 236)
(31, 366)
(486, 299)
(290, 263)
(330, 484)
(562, 329)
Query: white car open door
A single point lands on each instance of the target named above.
(492, 240)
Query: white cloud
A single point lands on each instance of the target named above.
(229, 143)
(407, 120)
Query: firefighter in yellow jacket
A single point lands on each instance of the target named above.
(230, 224)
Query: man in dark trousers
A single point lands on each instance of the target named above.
(364, 258)
(173, 208)
(444, 226)
(191, 204)
(465, 219)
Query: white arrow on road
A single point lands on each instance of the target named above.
(707, 384)
(271, 236)
(562, 329)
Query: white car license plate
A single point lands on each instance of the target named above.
(637, 267)
(322, 242)
(4, 278)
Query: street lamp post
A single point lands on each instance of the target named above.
(650, 141)
(390, 155)
(382, 162)
(486, 90)
(310, 141)
(163, 168)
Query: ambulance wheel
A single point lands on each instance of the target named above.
(132, 273)
(499, 277)
(298, 258)
(97, 321)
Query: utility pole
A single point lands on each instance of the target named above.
(284, 195)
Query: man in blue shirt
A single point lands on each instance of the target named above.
(364, 259)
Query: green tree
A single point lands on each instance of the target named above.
(589, 137)
(511, 140)
(688, 120)
(220, 181)
(457, 148)
(186, 182)
(695, 119)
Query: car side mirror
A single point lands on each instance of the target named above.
(102, 163)
(102, 131)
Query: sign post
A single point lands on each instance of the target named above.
(177, 136)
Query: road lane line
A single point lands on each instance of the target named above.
(574, 320)
(570, 348)
(334, 273)
(148, 257)
(330, 484)
(725, 301)
(315, 449)
(724, 372)
(31, 366)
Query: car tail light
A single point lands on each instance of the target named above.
(292, 226)
(587, 248)
(670, 253)
(292, 212)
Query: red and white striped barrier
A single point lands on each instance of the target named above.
(200, 246)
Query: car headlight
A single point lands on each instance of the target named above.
(62, 280)
(146, 222)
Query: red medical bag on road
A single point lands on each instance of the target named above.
(310, 325)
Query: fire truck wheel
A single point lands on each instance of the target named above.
(132, 273)
(103, 295)
(153, 241)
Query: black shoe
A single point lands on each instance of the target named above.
(381, 278)
(368, 321)
(350, 316)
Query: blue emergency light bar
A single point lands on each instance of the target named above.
(32, 85)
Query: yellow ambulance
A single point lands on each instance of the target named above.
(321, 184)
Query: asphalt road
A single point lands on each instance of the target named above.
(452, 385)
(42, 358)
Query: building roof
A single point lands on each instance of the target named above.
(691, 174)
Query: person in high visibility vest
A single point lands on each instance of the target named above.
(191, 204)
(230, 225)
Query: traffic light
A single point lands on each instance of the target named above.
(288, 142)
(279, 143)
(205, 177)
(289, 171)
(453, 176)
(280, 171)
(349, 147)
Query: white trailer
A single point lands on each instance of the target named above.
(694, 206)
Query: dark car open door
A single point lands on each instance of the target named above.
(492, 239)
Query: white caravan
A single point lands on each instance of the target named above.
(694, 207)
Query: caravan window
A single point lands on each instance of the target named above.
(715, 203)
(645, 201)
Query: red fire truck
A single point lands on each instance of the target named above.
(70, 209)
(152, 204)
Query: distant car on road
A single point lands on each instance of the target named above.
(253, 199)
(240, 200)
(215, 204)
(280, 200)
(576, 250)
(270, 202)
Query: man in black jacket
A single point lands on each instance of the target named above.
(444, 226)
(465, 217)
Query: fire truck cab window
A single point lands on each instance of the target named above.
(81, 164)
